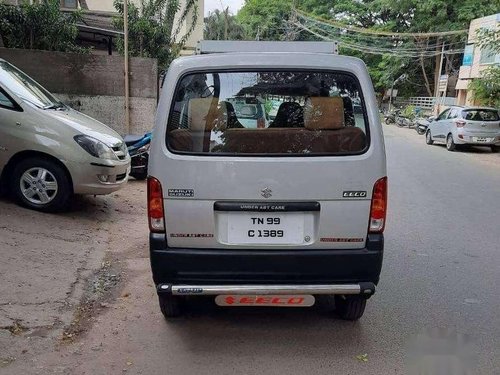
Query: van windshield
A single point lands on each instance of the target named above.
(26, 88)
(262, 113)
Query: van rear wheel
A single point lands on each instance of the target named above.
(170, 306)
(350, 307)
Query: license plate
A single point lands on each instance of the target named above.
(301, 300)
(266, 228)
(480, 139)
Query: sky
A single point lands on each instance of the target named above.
(234, 5)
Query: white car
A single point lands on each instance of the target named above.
(457, 126)
(267, 216)
(48, 151)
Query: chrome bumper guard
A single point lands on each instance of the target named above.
(365, 288)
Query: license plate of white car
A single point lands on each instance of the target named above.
(269, 300)
(266, 228)
(481, 139)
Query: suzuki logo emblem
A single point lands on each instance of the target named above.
(266, 192)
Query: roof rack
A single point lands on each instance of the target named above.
(222, 46)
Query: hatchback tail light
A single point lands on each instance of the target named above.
(379, 206)
(460, 123)
(156, 214)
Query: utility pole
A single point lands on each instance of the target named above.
(226, 14)
(437, 94)
(125, 45)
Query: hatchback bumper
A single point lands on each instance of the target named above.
(478, 139)
(186, 271)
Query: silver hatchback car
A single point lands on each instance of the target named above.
(457, 126)
(49, 151)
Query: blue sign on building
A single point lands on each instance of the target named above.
(468, 55)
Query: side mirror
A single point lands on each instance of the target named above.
(431, 118)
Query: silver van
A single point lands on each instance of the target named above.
(48, 151)
(271, 216)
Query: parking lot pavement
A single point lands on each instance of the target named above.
(438, 292)
(54, 264)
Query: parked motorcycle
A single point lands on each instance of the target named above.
(138, 148)
(390, 117)
(403, 121)
(421, 124)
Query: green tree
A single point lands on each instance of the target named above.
(221, 25)
(385, 15)
(39, 26)
(154, 28)
(264, 19)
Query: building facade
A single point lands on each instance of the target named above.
(98, 17)
(475, 60)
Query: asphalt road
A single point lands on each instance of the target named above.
(436, 308)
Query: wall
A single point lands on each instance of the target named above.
(106, 5)
(94, 84)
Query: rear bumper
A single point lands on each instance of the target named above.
(338, 271)
(366, 289)
(469, 138)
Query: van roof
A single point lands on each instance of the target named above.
(268, 60)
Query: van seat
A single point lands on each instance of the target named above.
(293, 140)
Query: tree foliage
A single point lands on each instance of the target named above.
(264, 19)
(387, 15)
(39, 26)
(486, 89)
(221, 25)
(155, 28)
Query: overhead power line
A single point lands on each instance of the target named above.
(361, 30)
(411, 45)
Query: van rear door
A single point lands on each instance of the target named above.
(305, 180)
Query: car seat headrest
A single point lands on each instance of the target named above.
(322, 113)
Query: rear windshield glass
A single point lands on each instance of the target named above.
(480, 115)
(291, 113)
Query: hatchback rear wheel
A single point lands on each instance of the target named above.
(450, 144)
(495, 148)
(41, 184)
(428, 138)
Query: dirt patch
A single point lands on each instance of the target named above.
(16, 328)
(104, 286)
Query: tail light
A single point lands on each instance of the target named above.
(379, 206)
(156, 213)
(460, 123)
(261, 123)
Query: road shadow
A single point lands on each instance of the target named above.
(466, 149)
(208, 329)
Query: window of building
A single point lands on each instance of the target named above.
(487, 56)
(69, 4)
